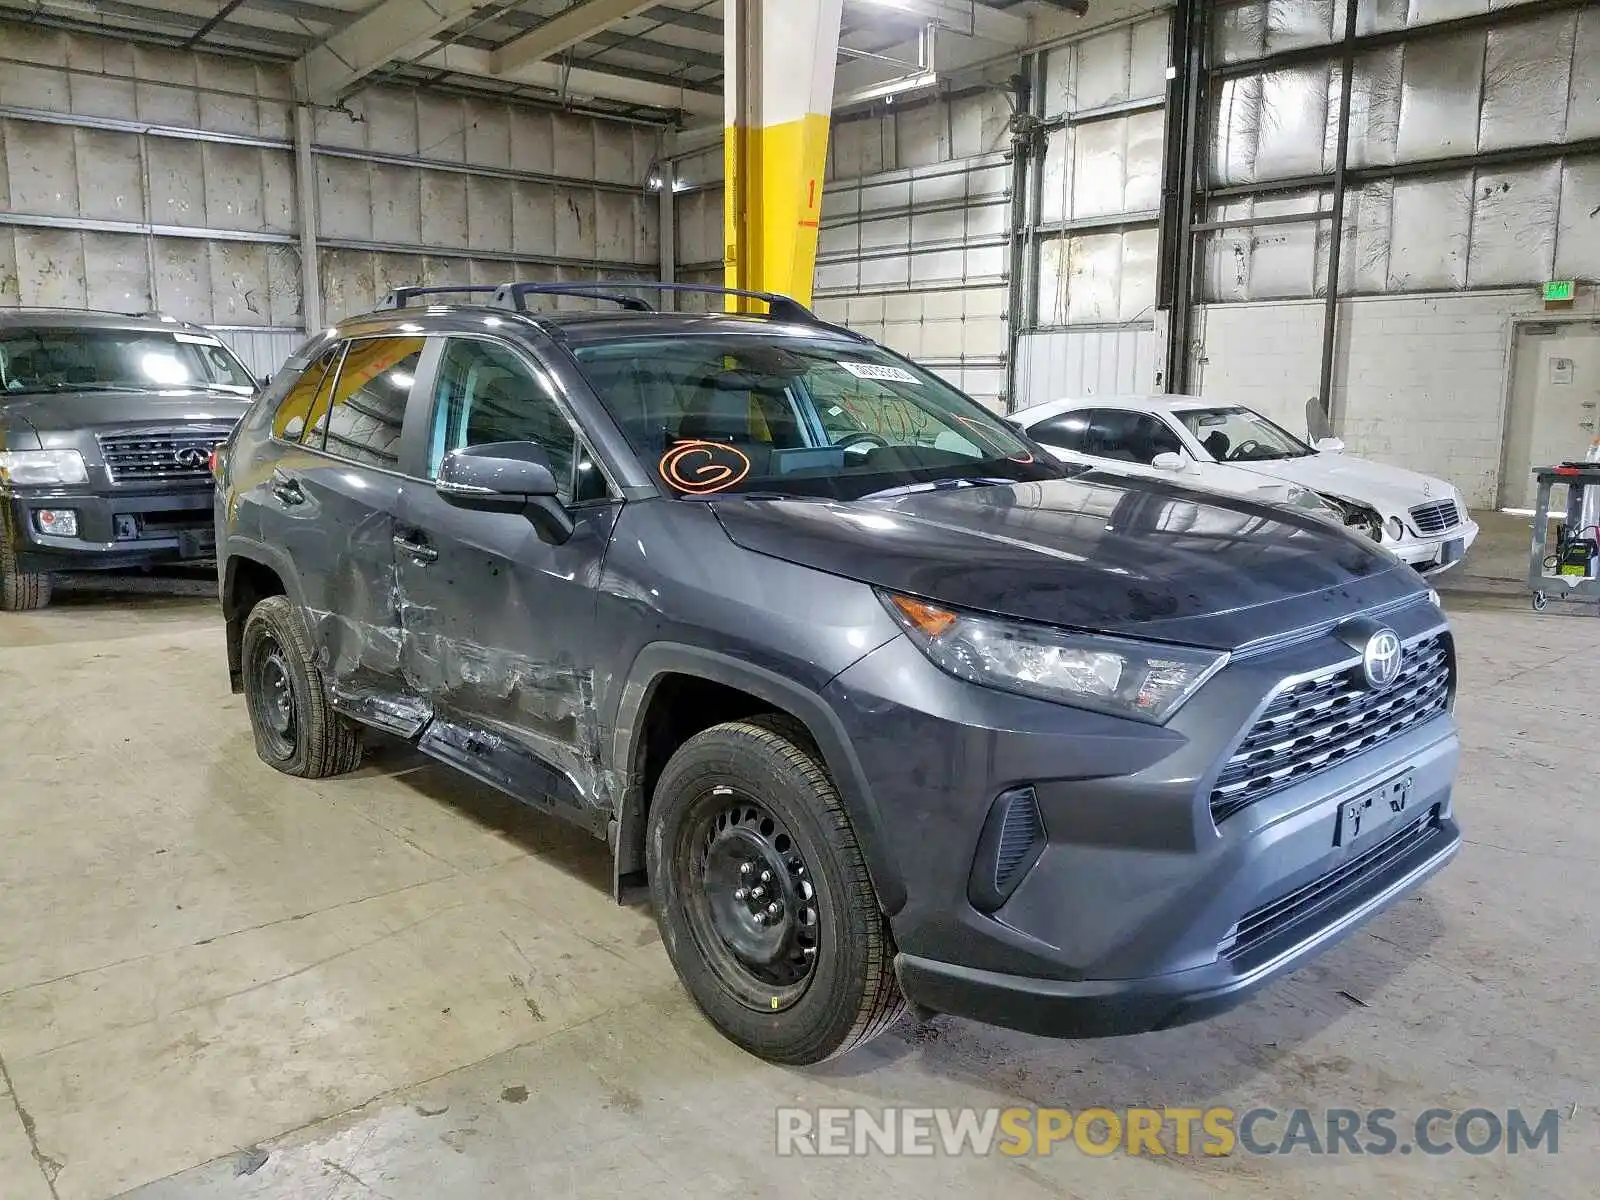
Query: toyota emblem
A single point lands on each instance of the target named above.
(1380, 662)
(192, 457)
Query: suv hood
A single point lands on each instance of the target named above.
(67, 412)
(1098, 552)
(1391, 490)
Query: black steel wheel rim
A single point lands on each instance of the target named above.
(272, 697)
(751, 902)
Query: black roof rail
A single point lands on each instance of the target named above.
(401, 296)
(512, 295)
(779, 307)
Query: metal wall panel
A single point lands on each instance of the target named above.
(89, 194)
(262, 350)
(1577, 235)
(1067, 363)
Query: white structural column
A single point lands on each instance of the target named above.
(305, 167)
(778, 94)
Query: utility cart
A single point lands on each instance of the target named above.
(1570, 569)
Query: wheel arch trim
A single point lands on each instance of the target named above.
(660, 659)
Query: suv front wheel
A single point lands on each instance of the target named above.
(296, 729)
(20, 591)
(763, 897)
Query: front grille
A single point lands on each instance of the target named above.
(1313, 725)
(157, 455)
(1436, 517)
(1266, 920)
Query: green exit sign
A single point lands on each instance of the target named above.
(1558, 290)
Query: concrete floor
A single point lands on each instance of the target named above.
(216, 981)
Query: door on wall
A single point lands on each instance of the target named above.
(1555, 403)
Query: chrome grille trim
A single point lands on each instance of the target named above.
(1436, 517)
(149, 455)
(1314, 724)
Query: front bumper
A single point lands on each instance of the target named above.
(115, 531)
(1140, 911)
(1440, 552)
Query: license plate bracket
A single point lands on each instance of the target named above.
(1360, 816)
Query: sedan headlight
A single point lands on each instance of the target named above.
(1126, 678)
(1395, 528)
(42, 467)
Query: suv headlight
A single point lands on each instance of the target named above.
(1143, 680)
(42, 467)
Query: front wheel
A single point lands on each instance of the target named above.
(297, 731)
(20, 591)
(763, 897)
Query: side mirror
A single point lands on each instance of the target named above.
(1169, 461)
(264, 382)
(1329, 445)
(506, 477)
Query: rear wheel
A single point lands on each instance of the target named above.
(20, 591)
(296, 729)
(763, 897)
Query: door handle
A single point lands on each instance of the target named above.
(419, 550)
(286, 489)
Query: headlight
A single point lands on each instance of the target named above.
(1394, 528)
(1308, 500)
(42, 466)
(1126, 678)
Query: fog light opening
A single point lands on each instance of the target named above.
(56, 522)
(1012, 840)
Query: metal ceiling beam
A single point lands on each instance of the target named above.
(687, 20)
(222, 14)
(300, 10)
(553, 77)
(666, 51)
(326, 72)
(961, 16)
(563, 31)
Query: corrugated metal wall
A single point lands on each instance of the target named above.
(1093, 207)
(914, 247)
(135, 178)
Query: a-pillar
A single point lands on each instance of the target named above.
(778, 92)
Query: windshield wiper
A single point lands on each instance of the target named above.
(45, 389)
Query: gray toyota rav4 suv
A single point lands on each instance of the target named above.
(883, 704)
(107, 423)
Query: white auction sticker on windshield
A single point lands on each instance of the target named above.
(197, 339)
(863, 370)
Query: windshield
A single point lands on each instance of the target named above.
(733, 415)
(86, 360)
(1240, 435)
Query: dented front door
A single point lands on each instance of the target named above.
(499, 625)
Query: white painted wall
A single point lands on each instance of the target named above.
(1419, 381)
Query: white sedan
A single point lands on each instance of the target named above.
(1423, 521)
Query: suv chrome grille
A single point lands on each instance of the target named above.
(158, 455)
(1436, 517)
(1315, 724)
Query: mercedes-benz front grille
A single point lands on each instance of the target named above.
(1314, 724)
(1436, 517)
(159, 455)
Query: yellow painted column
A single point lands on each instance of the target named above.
(777, 94)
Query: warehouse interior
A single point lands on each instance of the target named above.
(1371, 220)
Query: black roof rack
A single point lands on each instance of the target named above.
(512, 295)
(400, 297)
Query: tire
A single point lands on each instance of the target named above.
(296, 729)
(756, 790)
(20, 591)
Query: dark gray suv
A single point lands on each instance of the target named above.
(107, 423)
(883, 703)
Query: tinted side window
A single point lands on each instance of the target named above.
(362, 420)
(1066, 431)
(486, 393)
(307, 395)
(1129, 436)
